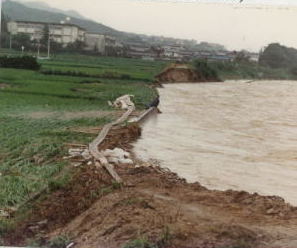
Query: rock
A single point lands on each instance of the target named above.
(113, 160)
(4, 214)
(42, 223)
(118, 152)
(70, 245)
(271, 211)
(77, 164)
(126, 161)
(86, 154)
(75, 152)
(127, 155)
(98, 165)
(108, 153)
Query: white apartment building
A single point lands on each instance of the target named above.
(95, 42)
(99, 42)
(61, 33)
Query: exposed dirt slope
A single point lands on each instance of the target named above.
(182, 73)
(156, 205)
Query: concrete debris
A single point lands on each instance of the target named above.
(117, 152)
(75, 152)
(117, 156)
(77, 164)
(123, 102)
(4, 214)
(70, 245)
(86, 154)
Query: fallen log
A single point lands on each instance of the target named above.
(94, 146)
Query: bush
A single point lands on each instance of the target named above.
(107, 75)
(24, 62)
(205, 70)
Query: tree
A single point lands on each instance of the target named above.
(242, 57)
(278, 56)
(76, 46)
(20, 40)
(4, 41)
(45, 35)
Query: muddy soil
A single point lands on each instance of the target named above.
(180, 73)
(155, 204)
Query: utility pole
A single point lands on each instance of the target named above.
(38, 50)
(0, 22)
(48, 44)
(10, 41)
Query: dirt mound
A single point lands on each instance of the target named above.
(156, 207)
(121, 137)
(58, 208)
(181, 73)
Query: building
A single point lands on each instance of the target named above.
(95, 42)
(102, 44)
(173, 51)
(140, 50)
(61, 33)
(223, 56)
(254, 57)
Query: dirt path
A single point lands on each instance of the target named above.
(282, 234)
(156, 201)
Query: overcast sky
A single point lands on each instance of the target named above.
(248, 25)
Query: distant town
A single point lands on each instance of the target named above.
(146, 47)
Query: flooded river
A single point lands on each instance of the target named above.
(232, 135)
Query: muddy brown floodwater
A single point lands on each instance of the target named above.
(232, 135)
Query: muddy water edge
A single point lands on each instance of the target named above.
(233, 135)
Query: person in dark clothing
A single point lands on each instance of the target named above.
(154, 104)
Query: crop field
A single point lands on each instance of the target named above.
(39, 112)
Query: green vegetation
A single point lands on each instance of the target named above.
(59, 242)
(24, 62)
(205, 70)
(143, 242)
(250, 70)
(278, 56)
(38, 115)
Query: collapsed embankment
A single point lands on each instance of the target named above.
(153, 208)
(183, 73)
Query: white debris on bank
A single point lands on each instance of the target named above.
(123, 102)
(4, 214)
(116, 156)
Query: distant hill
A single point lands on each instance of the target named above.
(20, 12)
(41, 12)
(47, 7)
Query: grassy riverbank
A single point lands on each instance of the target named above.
(39, 112)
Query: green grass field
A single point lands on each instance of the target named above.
(35, 110)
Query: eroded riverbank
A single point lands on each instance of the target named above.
(236, 135)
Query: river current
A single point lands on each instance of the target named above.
(233, 135)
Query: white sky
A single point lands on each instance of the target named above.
(249, 25)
